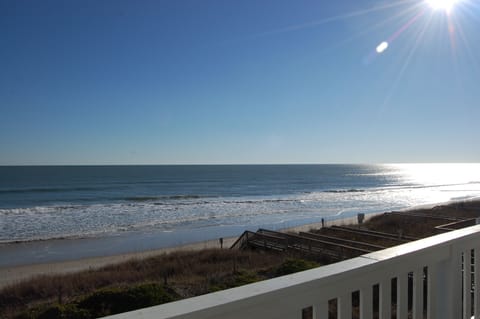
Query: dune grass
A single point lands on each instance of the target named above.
(179, 274)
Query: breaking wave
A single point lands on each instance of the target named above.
(209, 196)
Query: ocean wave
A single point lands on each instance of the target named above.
(352, 190)
(48, 190)
(164, 197)
(48, 238)
(41, 210)
(396, 188)
(188, 200)
(189, 211)
(70, 221)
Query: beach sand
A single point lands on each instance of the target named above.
(14, 274)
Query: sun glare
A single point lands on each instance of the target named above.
(382, 47)
(445, 5)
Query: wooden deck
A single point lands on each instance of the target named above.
(338, 242)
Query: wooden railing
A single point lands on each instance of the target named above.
(434, 278)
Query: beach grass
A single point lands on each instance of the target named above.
(183, 274)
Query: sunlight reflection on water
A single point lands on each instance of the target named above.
(439, 174)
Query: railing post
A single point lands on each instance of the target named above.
(432, 292)
(385, 302)
(449, 279)
(320, 310)
(366, 302)
(293, 313)
(402, 296)
(476, 295)
(456, 281)
(467, 284)
(417, 307)
(344, 304)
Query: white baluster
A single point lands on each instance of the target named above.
(417, 308)
(385, 302)
(477, 283)
(402, 296)
(320, 310)
(467, 284)
(432, 291)
(366, 303)
(344, 304)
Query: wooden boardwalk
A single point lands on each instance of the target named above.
(334, 248)
(340, 242)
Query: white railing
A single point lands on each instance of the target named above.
(428, 276)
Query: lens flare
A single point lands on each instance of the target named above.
(382, 47)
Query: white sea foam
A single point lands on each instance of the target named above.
(166, 214)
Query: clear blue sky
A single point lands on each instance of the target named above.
(250, 81)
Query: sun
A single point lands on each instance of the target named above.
(445, 5)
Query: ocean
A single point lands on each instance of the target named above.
(170, 205)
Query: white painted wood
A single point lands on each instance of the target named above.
(344, 304)
(366, 303)
(320, 310)
(457, 304)
(286, 296)
(417, 308)
(402, 296)
(467, 284)
(477, 283)
(431, 291)
(385, 302)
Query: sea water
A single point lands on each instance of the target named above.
(200, 202)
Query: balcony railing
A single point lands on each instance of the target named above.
(432, 278)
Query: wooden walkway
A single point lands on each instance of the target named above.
(335, 248)
(339, 242)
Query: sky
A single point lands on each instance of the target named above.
(238, 82)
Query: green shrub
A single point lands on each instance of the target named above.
(294, 265)
(69, 311)
(104, 302)
(244, 277)
(56, 311)
(239, 278)
(215, 288)
(116, 300)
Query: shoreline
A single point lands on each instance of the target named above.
(13, 274)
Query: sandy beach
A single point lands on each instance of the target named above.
(14, 274)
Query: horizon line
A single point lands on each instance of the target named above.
(229, 164)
